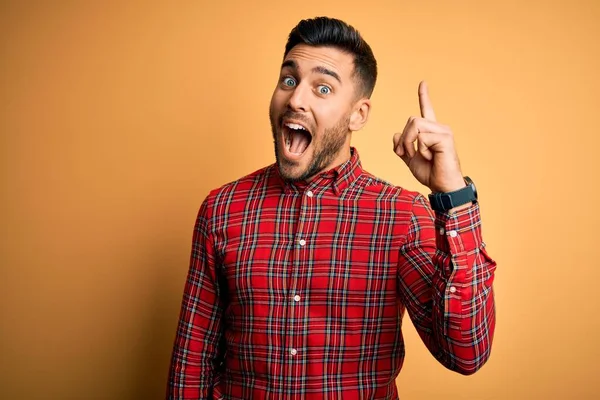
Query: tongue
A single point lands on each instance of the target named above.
(300, 141)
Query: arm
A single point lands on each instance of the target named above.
(196, 350)
(446, 285)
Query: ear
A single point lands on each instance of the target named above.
(360, 115)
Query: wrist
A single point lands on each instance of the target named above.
(454, 200)
(458, 208)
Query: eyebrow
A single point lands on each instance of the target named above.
(320, 70)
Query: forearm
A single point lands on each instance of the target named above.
(193, 361)
(446, 280)
(464, 310)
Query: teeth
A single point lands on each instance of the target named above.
(295, 126)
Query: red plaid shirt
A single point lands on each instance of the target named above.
(297, 291)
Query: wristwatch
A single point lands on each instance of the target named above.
(445, 201)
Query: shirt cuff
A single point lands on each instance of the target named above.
(460, 231)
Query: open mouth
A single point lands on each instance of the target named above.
(296, 138)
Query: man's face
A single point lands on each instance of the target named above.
(311, 110)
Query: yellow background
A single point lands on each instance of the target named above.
(116, 120)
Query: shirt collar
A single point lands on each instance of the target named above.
(338, 178)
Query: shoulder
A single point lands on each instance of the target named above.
(375, 186)
(243, 187)
(384, 194)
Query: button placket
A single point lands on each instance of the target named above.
(303, 229)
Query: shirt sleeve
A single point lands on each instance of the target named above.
(445, 280)
(197, 350)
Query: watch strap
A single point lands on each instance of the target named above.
(445, 201)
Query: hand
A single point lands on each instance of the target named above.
(434, 162)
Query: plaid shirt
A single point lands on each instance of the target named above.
(297, 291)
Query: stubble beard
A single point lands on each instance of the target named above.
(326, 148)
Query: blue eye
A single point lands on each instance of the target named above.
(289, 81)
(324, 89)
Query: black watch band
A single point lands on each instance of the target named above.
(445, 201)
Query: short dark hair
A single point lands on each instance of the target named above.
(325, 31)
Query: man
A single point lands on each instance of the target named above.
(300, 272)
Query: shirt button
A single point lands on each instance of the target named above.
(453, 233)
(293, 352)
(452, 289)
(441, 231)
(309, 193)
(302, 242)
(296, 298)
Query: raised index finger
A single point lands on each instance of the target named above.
(425, 102)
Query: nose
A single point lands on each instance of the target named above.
(298, 100)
